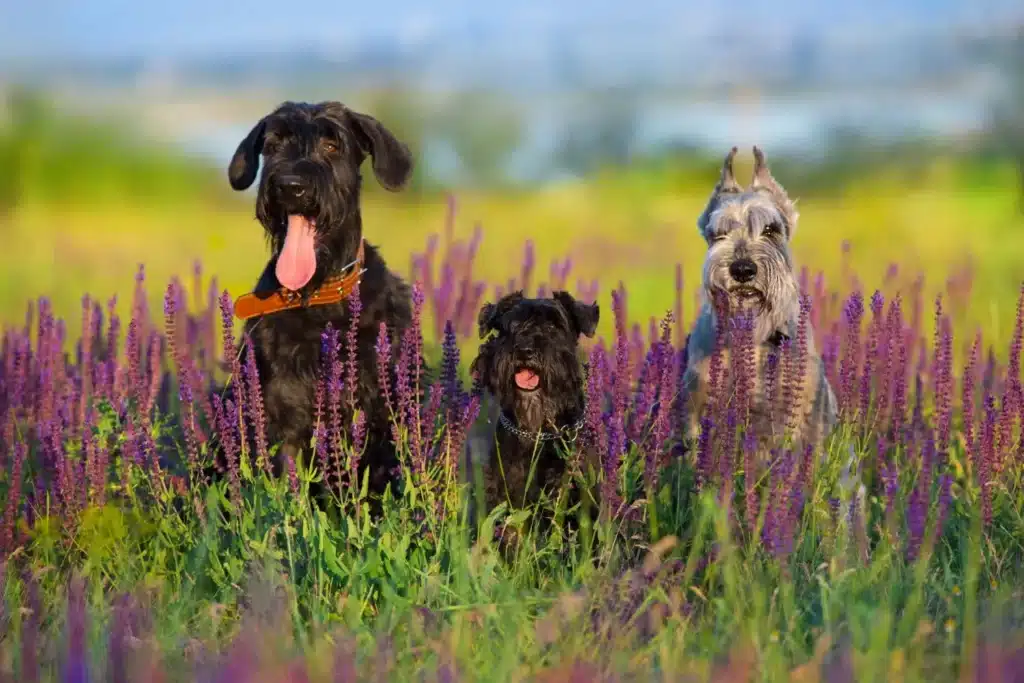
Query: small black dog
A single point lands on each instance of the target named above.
(308, 203)
(533, 380)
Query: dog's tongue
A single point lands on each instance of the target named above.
(527, 380)
(297, 261)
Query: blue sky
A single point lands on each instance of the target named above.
(32, 29)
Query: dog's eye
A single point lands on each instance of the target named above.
(771, 230)
(717, 238)
(329, 147)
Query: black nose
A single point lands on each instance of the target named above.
(743, 270)
(292, 185)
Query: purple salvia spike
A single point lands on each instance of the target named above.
(113, 337)
(254, 398)
(424, 435)
(14, 492)
(383, 358)
(155, 370)
(76, 666)
(666, 397)
(335, 373)
(751, 505)
(355, 305)
(704, 454)
(874, 341)
(610, 498)
(85, 360)
(987, 462)
(529, 261)
(967, 397)
(594, 435)
(228, 437)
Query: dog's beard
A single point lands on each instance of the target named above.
(535, 393)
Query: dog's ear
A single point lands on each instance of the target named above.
(246, 161)
(490, 314)
(392, 160)
(584, 317)
(726, 185)
(763, 181)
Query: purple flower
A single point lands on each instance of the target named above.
(594, 434)
(853, 312)
(14, 491)
(704, 454)
(76, 666)
(256, 413)
(228, 433)
(867, 376)
(967, 400)
(987, 461)
(383, 355)
(612, 462)
(355, 305)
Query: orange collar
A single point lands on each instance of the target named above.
(332, 291)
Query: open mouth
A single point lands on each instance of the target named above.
(745, 292)
(526, 379)
(296, 263)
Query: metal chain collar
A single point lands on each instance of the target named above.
(530, 437)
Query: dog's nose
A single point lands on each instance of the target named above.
(743, 270)
(292, 185)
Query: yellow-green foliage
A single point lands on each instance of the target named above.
(632, 226)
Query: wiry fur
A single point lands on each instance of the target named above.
(744, 227)
(541, 335)
(324, 145)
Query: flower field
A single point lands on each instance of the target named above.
(896, 554)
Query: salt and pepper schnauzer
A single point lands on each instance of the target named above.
(534, 394)
(308, 203)
(749, 267)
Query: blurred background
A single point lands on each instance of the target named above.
(594, 128)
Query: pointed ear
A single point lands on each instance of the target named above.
(763, 181)
(584, 317)
(392, 160)
(246, 161)
(726, 185)
(490, 314)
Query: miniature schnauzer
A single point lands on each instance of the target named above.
(749, 268)
(534, 394)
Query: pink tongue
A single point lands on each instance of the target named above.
(527, 379)
(297, 262)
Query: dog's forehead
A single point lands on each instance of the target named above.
(742, 209)
(546, 310)
(305, 117)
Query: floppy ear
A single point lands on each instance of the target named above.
(584, 317)
(726, 185)
(392, 160)
(246, 161)
(763, 180)
(489, 315)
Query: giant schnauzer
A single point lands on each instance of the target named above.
(749, 268)
(308, 203)
(533, 385)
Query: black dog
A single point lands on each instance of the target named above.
(308, 203)
(533, 378)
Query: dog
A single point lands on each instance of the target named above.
(308, 204)
(749, 269)
(529, 371)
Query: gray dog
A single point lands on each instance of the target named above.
(749, 269)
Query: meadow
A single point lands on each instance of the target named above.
(896, 555)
